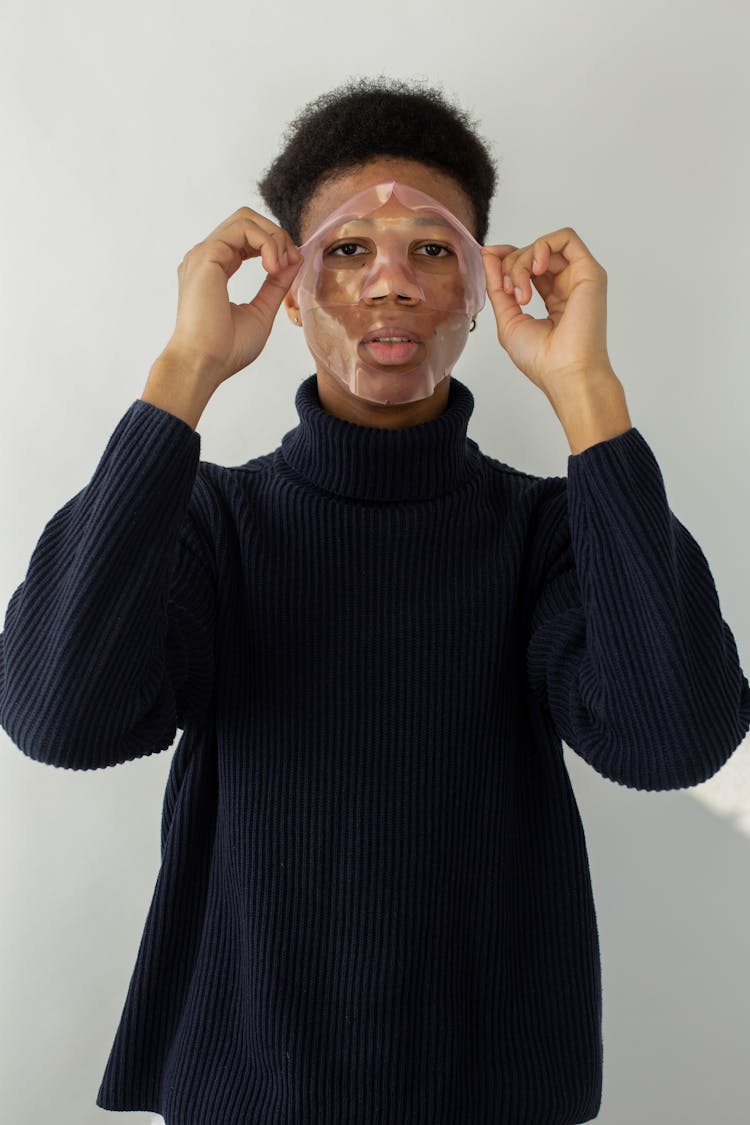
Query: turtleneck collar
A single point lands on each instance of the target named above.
(370, 463)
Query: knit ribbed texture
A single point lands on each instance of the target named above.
(374, 905)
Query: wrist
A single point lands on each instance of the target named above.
(592, 409)
(178, 386)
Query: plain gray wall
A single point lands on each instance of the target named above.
(127, 135)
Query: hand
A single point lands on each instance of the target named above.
(213, 335)
(571, 343)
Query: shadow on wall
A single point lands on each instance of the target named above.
(728, 791)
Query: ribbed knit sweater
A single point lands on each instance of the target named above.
(374, 904)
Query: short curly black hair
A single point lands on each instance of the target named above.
(366, 118)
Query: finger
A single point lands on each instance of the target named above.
(248, 229)
(244, 213)
(566, 242)
(268, 242)
(517, 278)
(505, 300)
(544, 259)
(534, 261)
(288, 254)
(545, 287)
(504, 306)
(498, 250)
(497, 255)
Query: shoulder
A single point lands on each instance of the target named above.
(537, 494)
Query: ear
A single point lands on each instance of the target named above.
(292, 310)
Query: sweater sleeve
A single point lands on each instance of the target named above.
(628, 651)
(107, 645)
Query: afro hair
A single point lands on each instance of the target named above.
(365, 118)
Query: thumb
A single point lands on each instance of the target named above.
(504, 304)
(267, 301)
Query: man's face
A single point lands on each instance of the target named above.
(388, 266)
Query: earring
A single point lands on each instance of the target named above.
(473, 324)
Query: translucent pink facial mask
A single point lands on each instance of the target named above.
(394, 261)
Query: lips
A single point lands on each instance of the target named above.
(392, 330)
(392, 355)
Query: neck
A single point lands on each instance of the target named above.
(337, 400)
(379, 463)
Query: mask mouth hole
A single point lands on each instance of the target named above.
(415, 346)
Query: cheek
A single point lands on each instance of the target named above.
(340, 287)
(441, 292)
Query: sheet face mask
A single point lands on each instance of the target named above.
(389, 240)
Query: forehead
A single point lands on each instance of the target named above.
(367, 222)
(332, 194)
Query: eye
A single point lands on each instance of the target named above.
(427, 246)
(435, 246)
(345, 246)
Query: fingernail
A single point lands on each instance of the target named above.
(518, 294)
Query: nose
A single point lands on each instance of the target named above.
(391, 276)
(398, 298)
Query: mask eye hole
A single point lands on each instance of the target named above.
(444, 251)
(332, 250)
(447, 251)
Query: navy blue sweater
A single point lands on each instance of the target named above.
(374, 904)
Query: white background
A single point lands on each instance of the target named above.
(129, 133)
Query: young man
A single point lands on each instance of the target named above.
(374, 903)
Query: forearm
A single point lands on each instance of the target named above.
(84, 680)
(629, 649)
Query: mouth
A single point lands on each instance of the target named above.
(391, 346)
